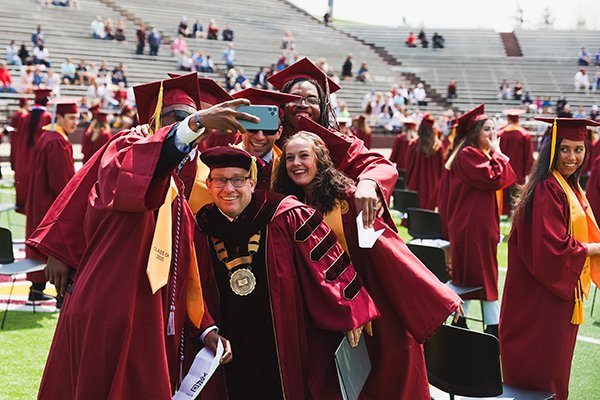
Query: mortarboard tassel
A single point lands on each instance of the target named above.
(553, 145)
(155, 120)
(577, 318)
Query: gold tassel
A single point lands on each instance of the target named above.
(577, 318)
(253, 170)
(155, 120)
(553, 145)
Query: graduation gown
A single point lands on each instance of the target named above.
(592, 189)
(413, 305)
(516, 143)
(472, 217)
(362, 135)
(398, 154)
(53, 158)
(89, 145)
(111, 341)
(312, 291)
(24, 156)
(423, 173)
(15, 123)
(537, 338)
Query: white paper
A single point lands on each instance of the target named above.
(205, 364)
(366, 236)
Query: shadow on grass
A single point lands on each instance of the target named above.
(23, 320)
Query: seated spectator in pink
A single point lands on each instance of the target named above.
(179, 45)
(411, 40)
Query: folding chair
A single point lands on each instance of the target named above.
(10, 267)
(401, 181)
(405, 199)
(424, 224)
(467, 363)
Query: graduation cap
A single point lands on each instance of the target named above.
(513, 114)
(304, 68)
(101, 117)
(227, 156)
(151, 98)
(427, 120)
(567, 128)
(94, 109)
(267, 98)
(468, 119)
(210, 91)
(408, 122)
(64, 105)
(41, 94)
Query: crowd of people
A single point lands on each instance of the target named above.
(437, 40)
(105, 29)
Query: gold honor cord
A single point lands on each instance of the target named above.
(242, 281)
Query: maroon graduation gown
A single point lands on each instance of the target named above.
(111, 341)
(516, 143)
(423, 173)
(362, 135)
(24, 156)
(399, 147)
(54, 166)
(89, 146)
(472, 218)
(413, 304)
(537, 338)
(15, 123)
(592, 189)
(312, 297)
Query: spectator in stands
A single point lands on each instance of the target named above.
(198, 29)
(229, 56)
(411, 40)
(595, 114)
(596, 80)
(423, 39)
(81, 72)
(582, 80)
(560, 103)
(119, 75)
(420, 94)
(547, 105)
(288, 42)
(213, 30)
(109, 29)
(199, 62)
(565, 112)
(438, 41)
(12, 54)
(140, 38)
(327, 17)
(120, 31)
(260, 79)
(97, 28)
(26, 81)
(518, 90)
(53, 80)
(210, 64)
(38, 35)
(6, 85)
(38, 77)
(281, 62)
(526, 100)
(24, 55)
(452, 90)
(41, 55)
(580, 112)
(230, 78)
(347, 68)
(154, 40)
(179, 46)
(183, 29)
(103, 74)
(101, 93)
(242, 79)
(504, 90)
(342, 110)
(584, 57)
(227, 34)
(363, 73)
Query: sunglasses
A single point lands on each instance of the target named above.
(178, 115)
(266, 132)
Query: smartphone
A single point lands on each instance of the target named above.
(269, 117)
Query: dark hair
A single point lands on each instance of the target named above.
(541, 171)
(427, 144)
(329, 183)
(34, 120)
(471, 139)
(327, 119)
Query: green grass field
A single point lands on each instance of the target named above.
(25, 341)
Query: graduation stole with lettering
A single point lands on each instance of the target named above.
(583, 228)
(159, 262)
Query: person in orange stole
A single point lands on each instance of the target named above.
(27, 133)
(96, 136)
(279, 284)
(476, 171)
(398, 155)
(54, 167)
(412, 301)
(516, 143)
(136, 293)
(424, 164)
(553, 253)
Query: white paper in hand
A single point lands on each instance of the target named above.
(366, 236)
(205, 364)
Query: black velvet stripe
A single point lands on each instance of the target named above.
(353, 288)
(323, 247)
(308, 227)
(337, 268)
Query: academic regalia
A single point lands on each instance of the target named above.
(592, 189)
(362, 135)
(472, 220)
(15, 123)
(423, 173)
(413, 304)
(216, 138)
(311, 303)
(398, 154)
(92, 141)
(112, 310)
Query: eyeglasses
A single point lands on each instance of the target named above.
(178, 115)
(311, 100)
(266, 132)
(236, 181)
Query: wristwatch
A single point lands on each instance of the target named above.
(199, 125)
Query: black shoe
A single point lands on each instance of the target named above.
(492, 330)
(461, 323)
(36, 293)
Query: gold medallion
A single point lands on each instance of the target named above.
(344, 207)
(242, 282)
